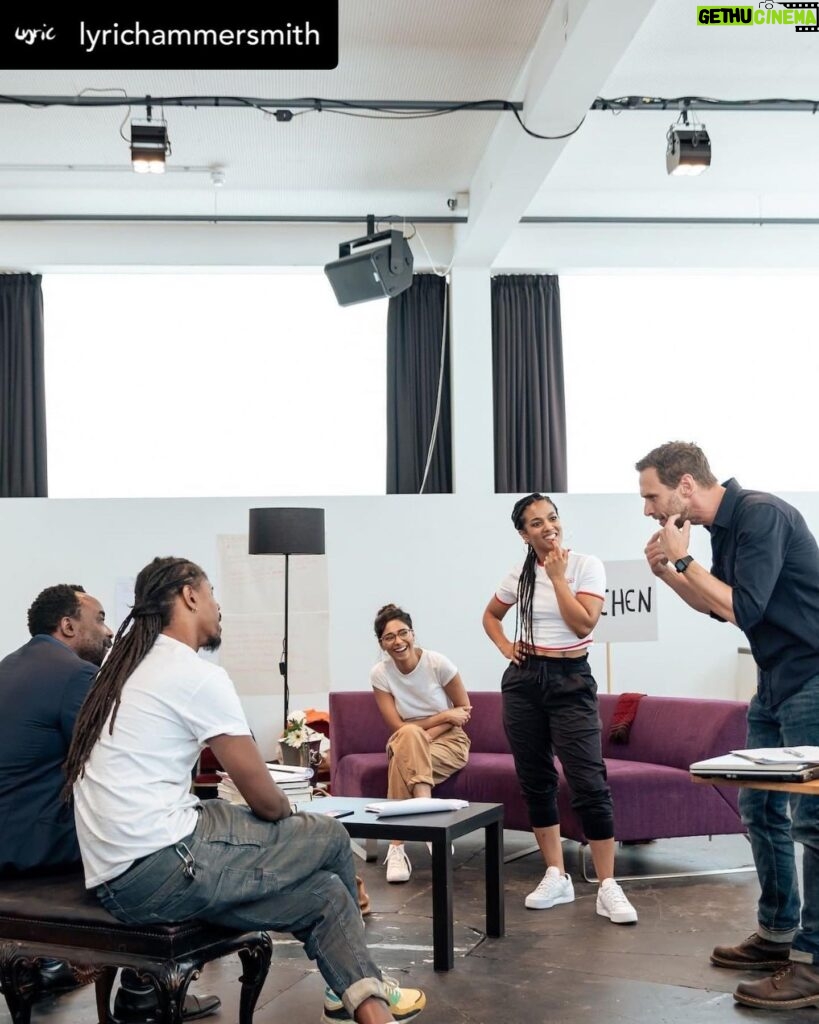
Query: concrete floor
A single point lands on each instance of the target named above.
(557, 966)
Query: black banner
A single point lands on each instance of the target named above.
(295, 35)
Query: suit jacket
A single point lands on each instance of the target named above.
(42, 686)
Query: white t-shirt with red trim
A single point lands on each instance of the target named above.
(585, 574)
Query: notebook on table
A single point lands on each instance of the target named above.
(733, 766)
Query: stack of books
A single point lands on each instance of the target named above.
(292, 779)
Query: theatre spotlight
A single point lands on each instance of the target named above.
(149, 146)
(376, 266)
(688, 149)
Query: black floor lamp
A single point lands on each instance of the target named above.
(286, 531)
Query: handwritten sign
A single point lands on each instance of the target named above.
(630, 608)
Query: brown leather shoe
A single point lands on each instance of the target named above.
(363, 897)
(754, 954)
(792, 986)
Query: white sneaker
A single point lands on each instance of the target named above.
(613, 903)
(399, 868)
(553, 889)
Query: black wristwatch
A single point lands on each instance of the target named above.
(682, 563)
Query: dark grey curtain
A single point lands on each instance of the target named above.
(415, 323)
(527, 363)
(22, 388)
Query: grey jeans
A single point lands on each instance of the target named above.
(294, 875)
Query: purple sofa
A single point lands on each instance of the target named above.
(654, 797)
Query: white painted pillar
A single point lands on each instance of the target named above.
(471, 335)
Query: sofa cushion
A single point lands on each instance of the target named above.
(676, 731)
(654, 801)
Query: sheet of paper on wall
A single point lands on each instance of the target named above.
(255, 583)
(251, 648)
(248, 583)
(250, 651)
(417, 805)
(780, 755)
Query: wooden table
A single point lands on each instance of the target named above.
(803, 788)
(439, 829)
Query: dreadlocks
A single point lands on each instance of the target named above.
(156, 588)
(524, 627)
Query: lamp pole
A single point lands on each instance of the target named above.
(283, 662)
(286, 531)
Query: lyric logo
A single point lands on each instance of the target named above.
(287, 35)
(30, 36)
(804, 17)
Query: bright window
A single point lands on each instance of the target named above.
(728, 361)
(212, 384)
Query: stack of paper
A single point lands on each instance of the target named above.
(417, 805)
(292, 779)
(780, 755)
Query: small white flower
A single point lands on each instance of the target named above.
(297, 732)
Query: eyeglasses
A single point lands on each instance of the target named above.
(390, 638)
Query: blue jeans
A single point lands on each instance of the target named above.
(773, 831)
(294, 875)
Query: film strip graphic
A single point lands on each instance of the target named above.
(814, 6)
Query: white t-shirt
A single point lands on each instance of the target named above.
(134, 797)
(585, 574)
(421, 692)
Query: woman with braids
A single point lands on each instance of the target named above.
(423, 701)
(550, 699)
(152, 853)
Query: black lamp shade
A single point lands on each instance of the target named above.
(286, 531)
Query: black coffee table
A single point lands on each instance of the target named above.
(440, 830)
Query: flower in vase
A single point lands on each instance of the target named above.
(297, 732)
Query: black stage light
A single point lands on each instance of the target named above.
(688, 148)
(149, 145)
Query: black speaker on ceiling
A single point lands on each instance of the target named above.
(377, 266)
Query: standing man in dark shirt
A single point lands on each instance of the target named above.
(765, 579)
(42, 687)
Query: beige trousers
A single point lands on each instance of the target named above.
(413, 759)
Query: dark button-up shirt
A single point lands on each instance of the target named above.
(762, 548)
(42, 687)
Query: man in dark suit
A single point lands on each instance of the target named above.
(42, 687)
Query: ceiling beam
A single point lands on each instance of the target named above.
(579, 44)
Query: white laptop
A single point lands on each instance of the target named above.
(734, 766)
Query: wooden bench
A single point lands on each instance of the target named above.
(55, 916)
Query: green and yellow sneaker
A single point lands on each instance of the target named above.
(405, 1003)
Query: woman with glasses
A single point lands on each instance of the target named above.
(425, 705)
(550, 699)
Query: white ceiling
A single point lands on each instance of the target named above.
(328, 164)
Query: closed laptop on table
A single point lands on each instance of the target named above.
(732, 766)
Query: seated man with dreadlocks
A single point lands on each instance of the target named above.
(153, 853)
(42, 688)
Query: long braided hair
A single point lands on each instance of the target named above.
(524, 627)
(154, 593)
